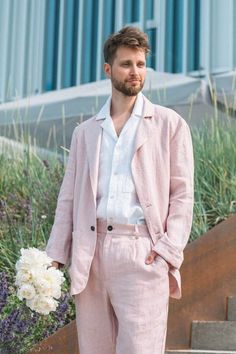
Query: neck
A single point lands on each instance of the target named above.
(121, 104)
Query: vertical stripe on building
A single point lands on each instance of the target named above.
(51, 45)
(89, 41)
(109, 24)
(70, 37)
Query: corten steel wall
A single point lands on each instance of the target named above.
(208, 277)
(64, 341)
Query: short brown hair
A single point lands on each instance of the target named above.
(129, 36)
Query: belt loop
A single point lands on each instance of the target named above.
(136, 230)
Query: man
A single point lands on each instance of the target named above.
(124, 210)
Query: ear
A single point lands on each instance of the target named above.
(107, 70)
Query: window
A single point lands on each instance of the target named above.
(151, 59)
(51, 45)
(193, 35)
(174, 36)
(131, 11)
(70, 38)
(149, 9)
(108, 25)
(89, 46)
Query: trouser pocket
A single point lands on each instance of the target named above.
(143, 250)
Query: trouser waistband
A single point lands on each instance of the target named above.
(125, 229)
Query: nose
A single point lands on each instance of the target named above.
(134, 70)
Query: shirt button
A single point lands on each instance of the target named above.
(92, 228)
(109, 228)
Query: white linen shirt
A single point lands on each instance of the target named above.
(117, 200)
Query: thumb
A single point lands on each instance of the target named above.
(149, 259)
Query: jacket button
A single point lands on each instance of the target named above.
(92, 228)
(109, 228)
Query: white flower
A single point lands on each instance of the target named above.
(37, 281)
(32, 257)
(55, 274)
(26, 291)
(48, 282)
(42, 304)
(23, 276)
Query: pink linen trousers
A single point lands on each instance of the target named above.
(121, 302)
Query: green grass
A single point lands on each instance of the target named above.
(215, 175)
(28, 189)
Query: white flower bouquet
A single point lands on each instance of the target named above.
(37, 281)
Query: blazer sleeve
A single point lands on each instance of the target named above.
(171, 244)
(59, 243)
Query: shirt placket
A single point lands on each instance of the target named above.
(114, 184)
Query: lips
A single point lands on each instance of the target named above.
(133, 80)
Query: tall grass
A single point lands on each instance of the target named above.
(28, 188)
(215, 174)
(214, 146)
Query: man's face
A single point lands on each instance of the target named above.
(128, 70)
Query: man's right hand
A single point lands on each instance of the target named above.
(57, 265)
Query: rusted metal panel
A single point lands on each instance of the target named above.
(64, 341)
(208, 278)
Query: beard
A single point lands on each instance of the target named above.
(126, 88)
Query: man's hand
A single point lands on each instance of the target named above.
(151, 257)
(57, 265)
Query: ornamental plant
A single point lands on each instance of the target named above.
(20, 327)
(38, 282)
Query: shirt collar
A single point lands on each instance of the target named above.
(137, 110)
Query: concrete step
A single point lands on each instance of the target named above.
(231, 308)
(198, 351)
(214, 335)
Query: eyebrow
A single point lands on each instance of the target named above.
(129, 61)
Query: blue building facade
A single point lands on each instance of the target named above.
(53, 44)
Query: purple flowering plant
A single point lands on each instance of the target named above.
(28, 194)
(21, 328)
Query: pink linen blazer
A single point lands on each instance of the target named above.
(162, 169)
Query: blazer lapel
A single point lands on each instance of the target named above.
(93, 143)
(144, 126)
(139, 161)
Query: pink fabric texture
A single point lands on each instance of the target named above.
(162, 170)
(124, 306)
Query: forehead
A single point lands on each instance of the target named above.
(126, 53)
